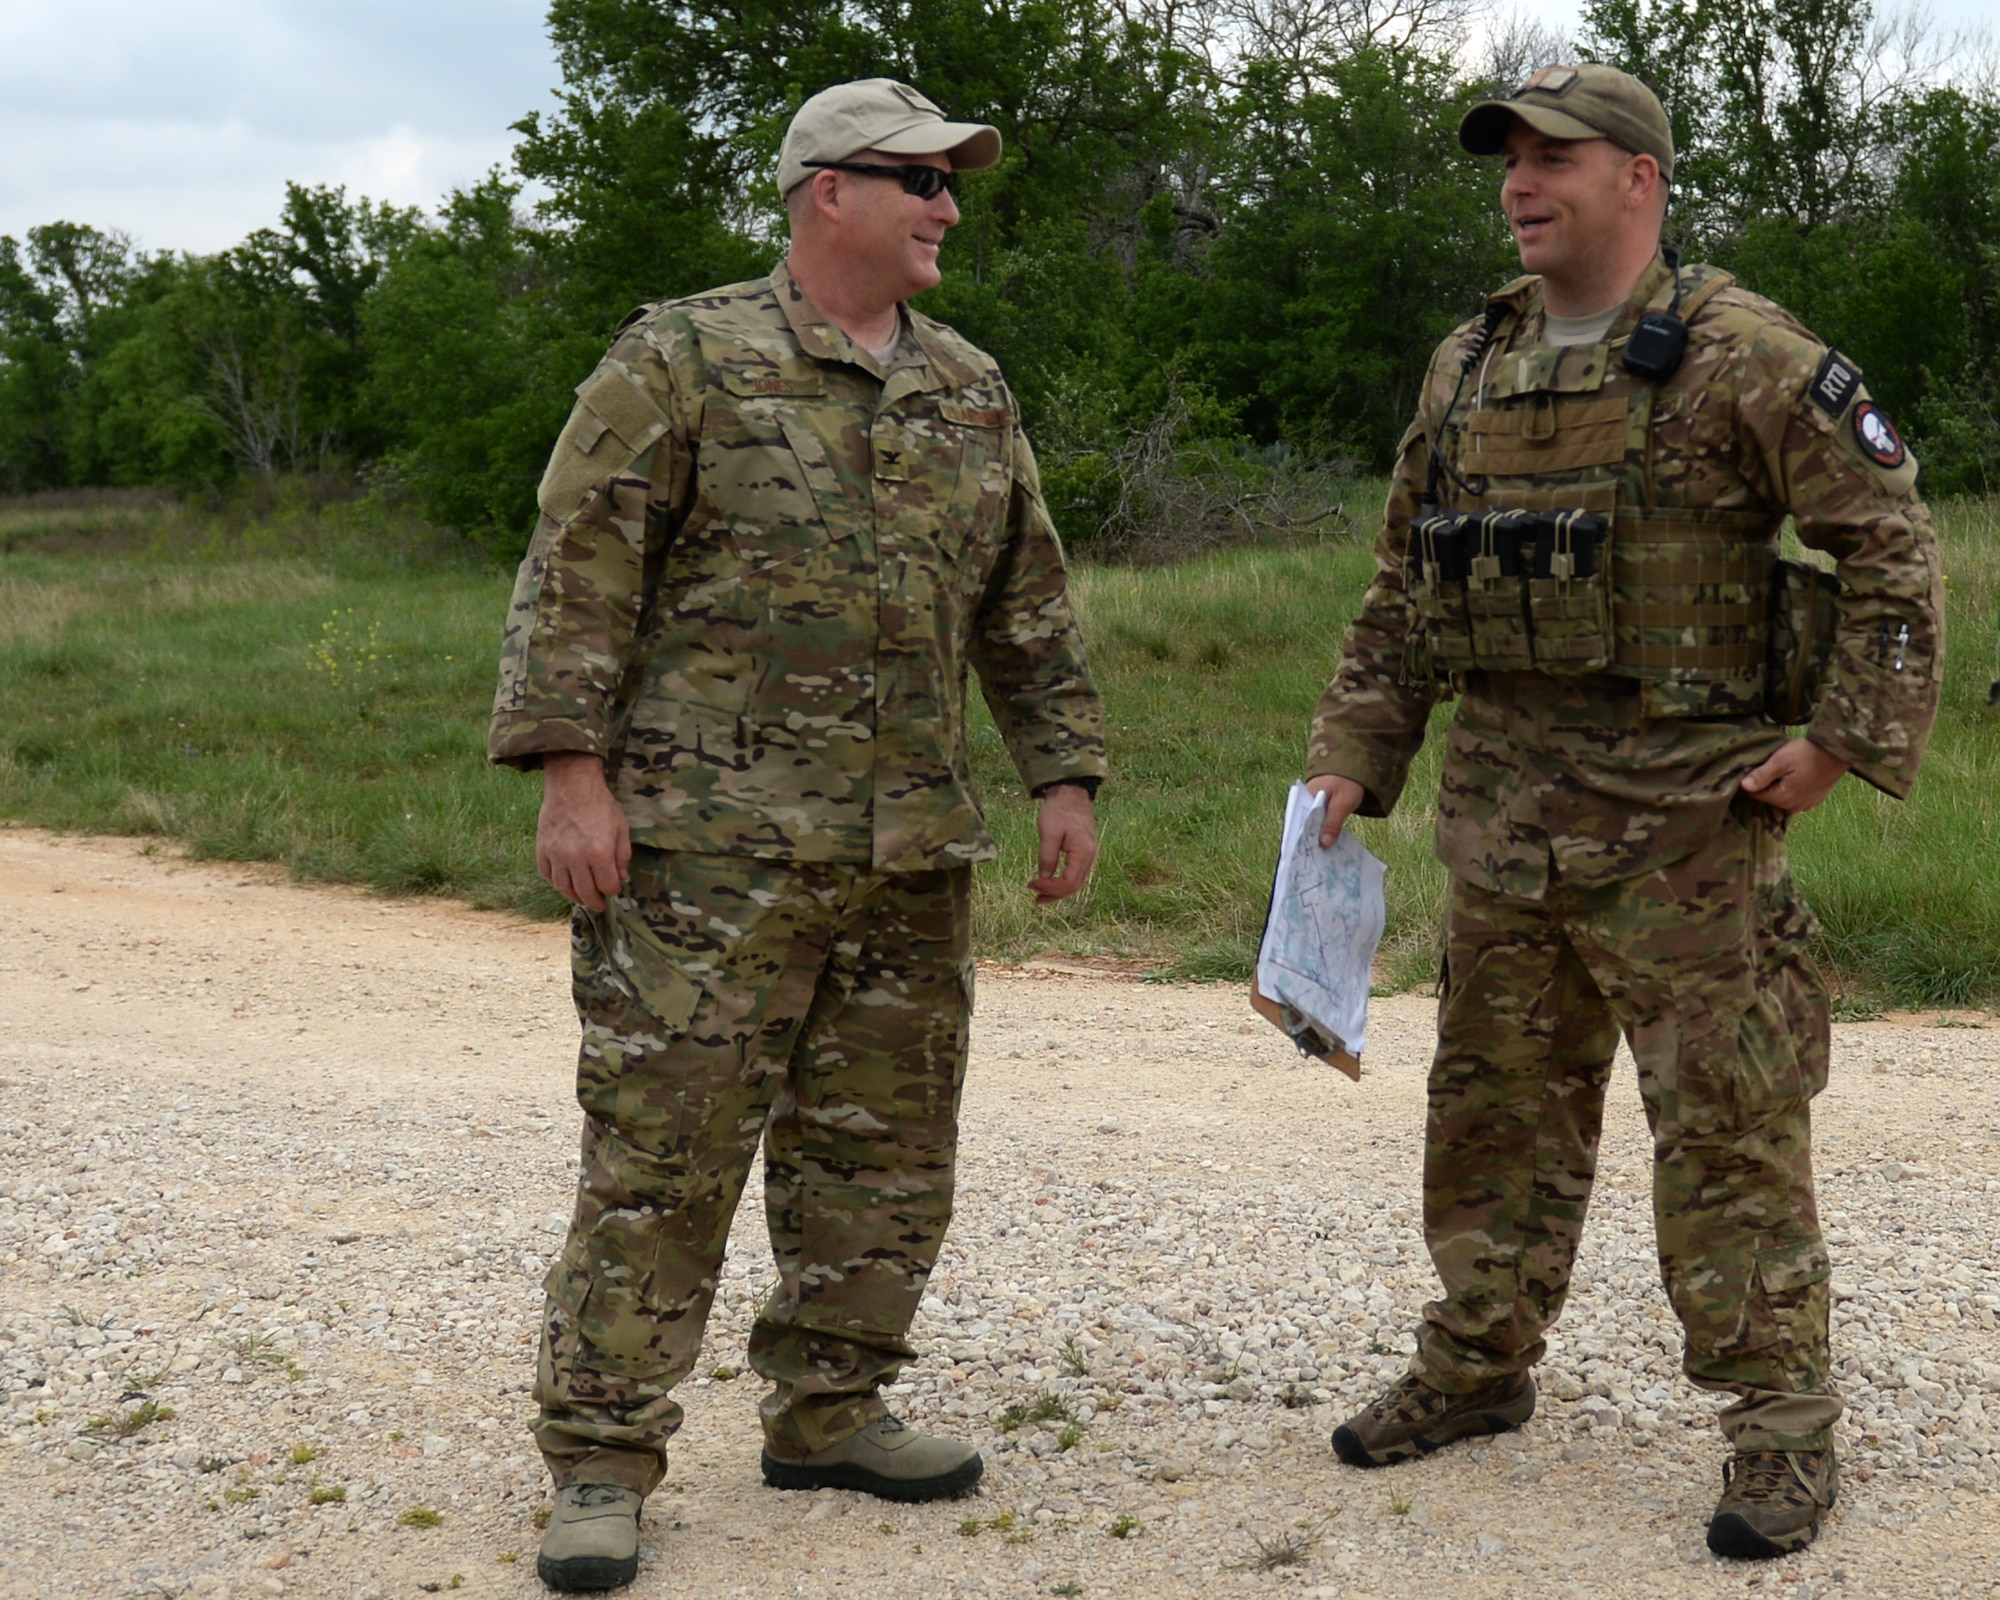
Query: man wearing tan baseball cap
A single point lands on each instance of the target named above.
(787, 522)
(1587, 101)
(1582, 546)
(884, 117)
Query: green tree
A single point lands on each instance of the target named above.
(1947, 188)
(250, 362)
(659, 157)
(1359, 236)
(34, 376)
(59, 301)
(1779, 107)
(472, 365)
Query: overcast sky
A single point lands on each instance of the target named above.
(178, 121)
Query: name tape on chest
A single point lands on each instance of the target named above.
(1834, 384)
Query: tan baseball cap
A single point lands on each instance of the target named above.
(1581, 102)
(879, 114)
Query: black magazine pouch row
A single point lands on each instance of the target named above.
(1512, 591)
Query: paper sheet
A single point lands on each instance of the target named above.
(1326, 919)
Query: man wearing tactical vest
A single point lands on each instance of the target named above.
(1581, 546)
(785, 522)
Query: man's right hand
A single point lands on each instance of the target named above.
(1343, 799)
(582, 843)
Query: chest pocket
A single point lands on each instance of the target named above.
(941, 478)
(1544, 434)
(766, 483)
(985, 475)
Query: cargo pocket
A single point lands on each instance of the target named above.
(636, 1003)
(1789, 1308)
(619, 1327)
(955, 1092)
(1784, 1044)
(1770, 1077)
(637, 960)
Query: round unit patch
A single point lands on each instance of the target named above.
(1877, 436)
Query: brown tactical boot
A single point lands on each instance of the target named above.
(885, 1459)
(1414, 1419)
(593, 1538)
(1771, 1502)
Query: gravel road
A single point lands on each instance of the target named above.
(280, 1170)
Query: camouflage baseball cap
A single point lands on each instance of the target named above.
(1581, 102)
(879, 114)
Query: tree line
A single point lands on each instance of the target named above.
(1230, 229)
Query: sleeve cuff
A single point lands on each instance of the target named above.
(1380, 791)
(521, 743)
(1874, 767)
(1089, 784)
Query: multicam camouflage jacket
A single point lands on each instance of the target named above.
(762, 570)
(1603, 774)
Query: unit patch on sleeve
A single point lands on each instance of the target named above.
(1835, 382)
(1877, 436)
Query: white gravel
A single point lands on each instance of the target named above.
(290, 1164)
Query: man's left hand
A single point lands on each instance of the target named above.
(1068, 830)
(1797, 777)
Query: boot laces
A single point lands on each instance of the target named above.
(1410, 1399)
(1760, 1477)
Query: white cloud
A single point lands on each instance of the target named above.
(180, 123)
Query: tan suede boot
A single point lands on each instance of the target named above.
(592, 1540)
(886, 1459)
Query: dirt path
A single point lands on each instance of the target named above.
(289, 1164)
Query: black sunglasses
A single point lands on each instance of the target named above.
(923, 182)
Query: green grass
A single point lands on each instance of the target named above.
(187, 695)
(1908, 894)
(189, 699)
(1210, 673)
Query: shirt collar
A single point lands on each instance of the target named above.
(824, 340)
(1653, 292)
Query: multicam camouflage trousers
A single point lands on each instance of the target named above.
(725, 998)
(1703, 966)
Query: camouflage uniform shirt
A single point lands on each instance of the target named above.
(762, 571)
(1583, 775)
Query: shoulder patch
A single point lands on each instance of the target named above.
(1877, 436)
(1834, 384)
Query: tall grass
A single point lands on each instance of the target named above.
(1210, 672)
(186, 691)
(189, 699)
(1908, 894)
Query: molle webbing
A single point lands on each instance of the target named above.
(1690, 592)
(1556, 561)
